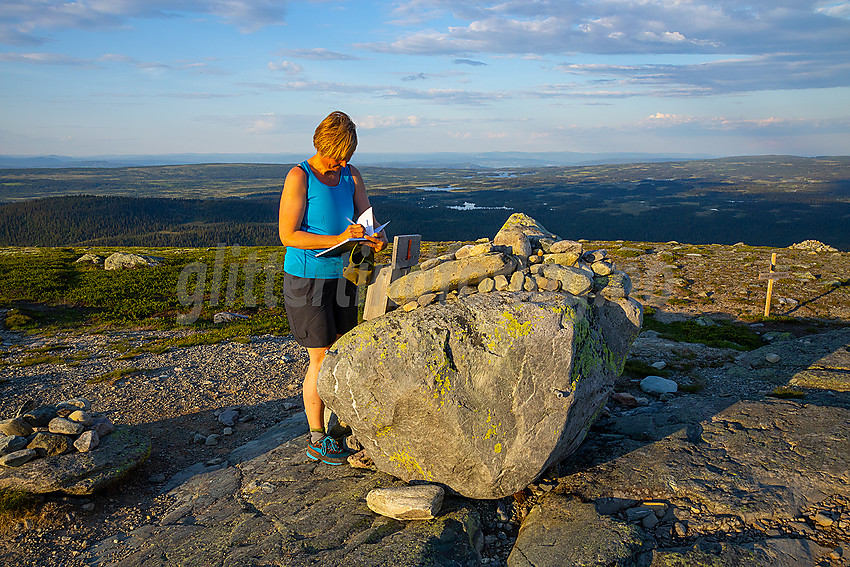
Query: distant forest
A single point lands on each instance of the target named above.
(771, 201)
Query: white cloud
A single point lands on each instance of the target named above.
(780, 71)
(267, 123)
(287, 67)
(317, 54)
(624, 26)
(45, 59)
(373, 122)
(22, 21)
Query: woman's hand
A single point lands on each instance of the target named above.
(353, 231)
(378, 242)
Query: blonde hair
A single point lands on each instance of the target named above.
(336, 137)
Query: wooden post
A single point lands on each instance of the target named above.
(770, 286)
(405, 255)
(770, 276)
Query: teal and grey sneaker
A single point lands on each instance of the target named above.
(328, 451)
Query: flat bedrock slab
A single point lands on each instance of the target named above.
(562, 531)
(281, 508)
(754, 460)
(82, 473)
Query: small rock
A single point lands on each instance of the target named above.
(517, 281)
(88, 506)
(426, 299)
(610, 505)
(12, 443)
(772, 357)
(502, 512)
(228, 417)
(486, 285)
(823, 520)
(17, 458)
(227, 431)
(40, 416)
(650, 521)
(474, 250)
(103, 426)
(75, 404)
(81, 416)
(50, 444)
(65, 426)
(157, 478)
(658, 386)
(410, 306)
(625, 399)
(680, 529)
(638, 513)
(660, 365)
(212, 439)
(562, 246)
(227, 317)
(198, 438)
(602, 268)
(360, 460)
(421, 502)
(15, 426)
(87, 441)
(353, 444)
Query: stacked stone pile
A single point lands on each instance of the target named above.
(813, 245)
(47, 431)
(523, 256)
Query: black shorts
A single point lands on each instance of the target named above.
(319, 309)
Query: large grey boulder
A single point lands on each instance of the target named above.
(121, 260)
(82, 473)
(483, 393)
(532, 229)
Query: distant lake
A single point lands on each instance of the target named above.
(447, 188)
(467, 206)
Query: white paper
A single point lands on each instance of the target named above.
(367, 219)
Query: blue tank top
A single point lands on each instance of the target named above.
(324, 213)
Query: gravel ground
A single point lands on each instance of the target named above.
(172, 398)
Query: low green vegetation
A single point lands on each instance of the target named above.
(638, 369)
(787, 392)
(45, 290)
(720, 334)
(16, 505)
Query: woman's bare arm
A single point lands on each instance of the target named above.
(293, 201)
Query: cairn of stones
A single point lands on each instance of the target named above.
(523, 256)
(50, 430)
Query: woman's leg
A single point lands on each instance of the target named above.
(314, 407)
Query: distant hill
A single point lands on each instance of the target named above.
(760, 200)
(483, 160)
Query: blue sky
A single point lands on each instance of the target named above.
(726, 77)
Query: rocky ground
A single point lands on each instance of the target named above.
(176, 398)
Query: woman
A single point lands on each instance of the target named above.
(319, 196)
